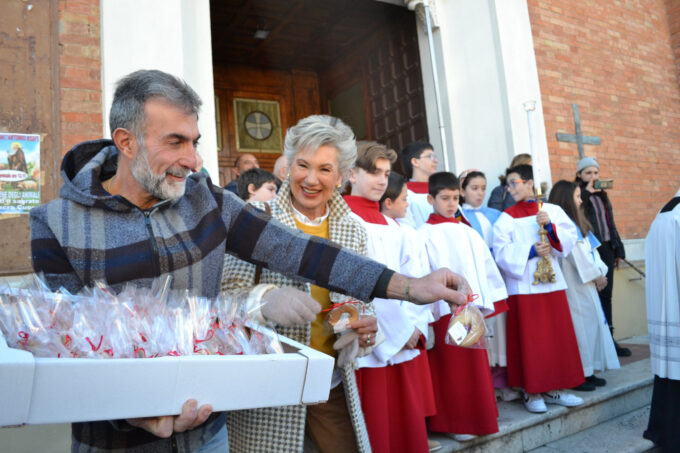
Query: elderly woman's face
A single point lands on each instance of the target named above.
(314, 175)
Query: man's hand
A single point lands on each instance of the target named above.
(190, 418)
(542, 218)
(601, 283)
(413, 341)
(289, 307)
(441, 284)
(617, 262)
(542, 249)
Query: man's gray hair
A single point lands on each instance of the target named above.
(135, 89)
(318, 130)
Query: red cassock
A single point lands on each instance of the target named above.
(461, 378)
(395, 399)
(400, 391)
(542, 350)
(541, 345)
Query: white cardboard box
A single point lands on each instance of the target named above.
(50, 390)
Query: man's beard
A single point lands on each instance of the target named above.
(158, 185)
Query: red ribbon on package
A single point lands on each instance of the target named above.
(470, 298)
(340, 304)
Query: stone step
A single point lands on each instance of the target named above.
(628, 389)
(622, 434)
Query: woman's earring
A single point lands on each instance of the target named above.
(339, 185)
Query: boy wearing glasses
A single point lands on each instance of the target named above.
(542, 352)
(419, 162)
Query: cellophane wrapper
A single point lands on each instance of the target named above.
(460, 331)
(135, 323)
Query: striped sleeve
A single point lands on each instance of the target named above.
(48, 256)
(255, 237)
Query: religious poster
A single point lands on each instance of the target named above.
(19, 173)
(258, 126)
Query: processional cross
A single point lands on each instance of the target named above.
(578, 137)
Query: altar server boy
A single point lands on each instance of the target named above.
(542, 351)
(468, 407)
(419, 162)
(390, 379)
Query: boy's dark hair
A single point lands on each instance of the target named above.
(562, 194)
(440, 181)
(524, 171)
(255, 176)
(410, 151)
(395, 184)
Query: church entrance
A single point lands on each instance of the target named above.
(275, 62)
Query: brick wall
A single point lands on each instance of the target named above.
(616, 61)
(673, 11)
(80, 72)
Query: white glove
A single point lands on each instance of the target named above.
(348, 345)
(288, 306)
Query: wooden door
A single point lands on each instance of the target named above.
(295, 91)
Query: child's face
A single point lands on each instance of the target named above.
(266, 192)
(577, 197)
(371, 185)
(520, 189)
(445, 203)
(396, 208)
(426, 163)
(475, 191)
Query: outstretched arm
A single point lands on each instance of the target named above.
(441, 284)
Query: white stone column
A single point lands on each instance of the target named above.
(487, 70)
(169, 35)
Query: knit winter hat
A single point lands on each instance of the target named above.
(587, 162)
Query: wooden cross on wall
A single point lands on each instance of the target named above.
(578, 137)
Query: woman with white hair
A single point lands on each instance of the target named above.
(319, 149)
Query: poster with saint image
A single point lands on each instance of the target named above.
(19, 172)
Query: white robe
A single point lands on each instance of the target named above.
(512, 242)
(662, 263)
(595, 343)
(459, 248)
(418, 211)
(386, 244)
(416, 264)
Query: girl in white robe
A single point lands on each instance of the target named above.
(585, 273)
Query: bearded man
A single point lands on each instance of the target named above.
(133, 209)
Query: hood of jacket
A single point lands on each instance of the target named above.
(84, 168)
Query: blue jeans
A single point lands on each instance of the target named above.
(219, 443)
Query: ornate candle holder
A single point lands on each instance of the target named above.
(544, 270)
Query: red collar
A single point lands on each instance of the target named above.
(418, 187)
(368, 210)
(523, 209)
(436, 219)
